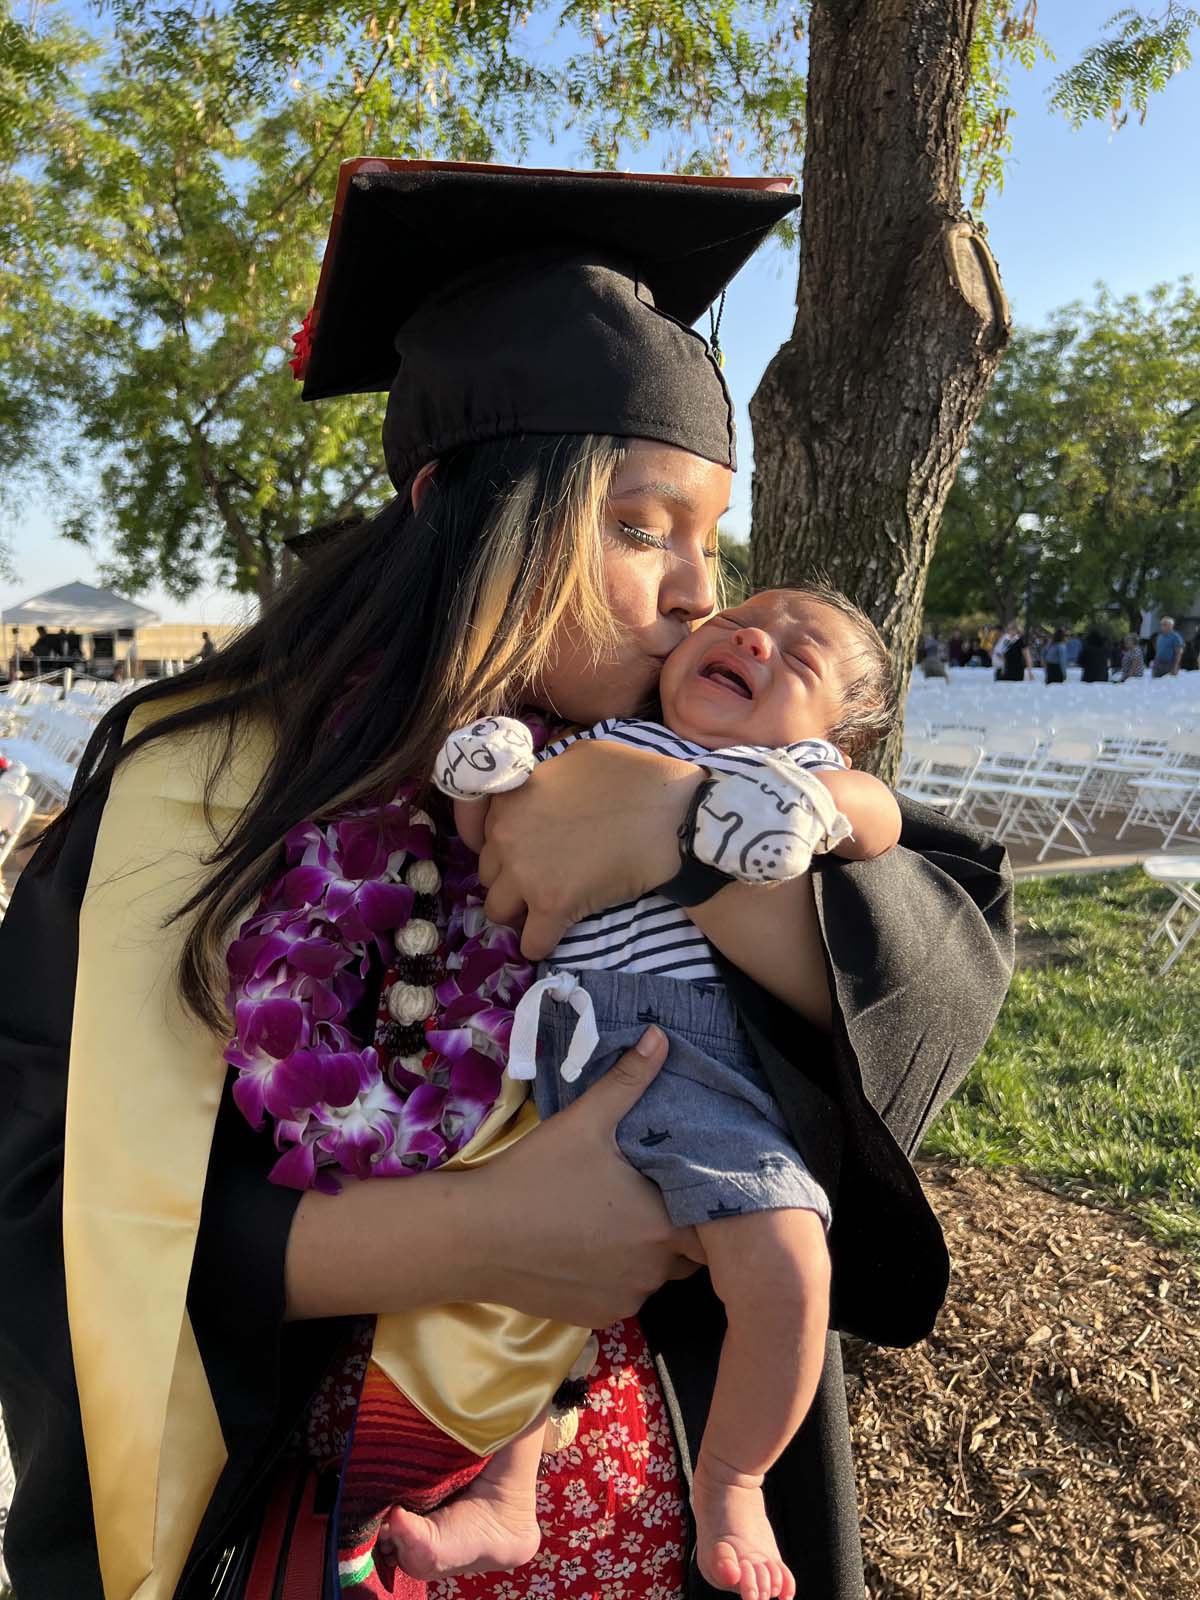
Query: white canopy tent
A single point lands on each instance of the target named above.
(80, 607)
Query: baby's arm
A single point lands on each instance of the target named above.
(872, 810)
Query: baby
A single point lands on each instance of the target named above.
(775, 697)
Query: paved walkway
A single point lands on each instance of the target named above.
(1108, 853)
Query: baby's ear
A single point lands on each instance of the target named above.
(846, 757)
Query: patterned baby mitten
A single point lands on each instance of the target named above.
(764, 824)
(486, 757)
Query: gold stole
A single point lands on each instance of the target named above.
(143, 1091)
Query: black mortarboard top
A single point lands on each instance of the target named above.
(493, 301)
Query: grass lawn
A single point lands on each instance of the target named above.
(1091, 1079)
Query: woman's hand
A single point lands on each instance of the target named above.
(593, 828)
(560, 1226)
(572, 1231)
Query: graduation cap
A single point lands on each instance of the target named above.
(490, 301)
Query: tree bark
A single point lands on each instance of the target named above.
(862, 415)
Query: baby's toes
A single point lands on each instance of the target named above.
(727, 1567)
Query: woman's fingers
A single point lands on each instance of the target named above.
(505, 903)
(624, 1084)
(470, 822)
(541, 934)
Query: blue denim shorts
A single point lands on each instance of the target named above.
(707, 1131)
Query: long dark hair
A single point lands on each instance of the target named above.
(408, 627)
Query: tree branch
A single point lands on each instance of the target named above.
(302, 184)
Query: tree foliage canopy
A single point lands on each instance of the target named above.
(1088, 448)
(165, 175)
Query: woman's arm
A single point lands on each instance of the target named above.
(593, 1256)
(598, 826)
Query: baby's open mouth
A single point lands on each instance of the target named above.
(728, 678)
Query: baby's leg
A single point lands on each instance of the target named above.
(771, 1270)
(490, 1526)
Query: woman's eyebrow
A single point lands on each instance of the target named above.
(666, 491)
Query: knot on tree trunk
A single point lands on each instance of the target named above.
(974, 273)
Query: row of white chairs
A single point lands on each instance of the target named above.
(49, 748)
(1027, 785)
(1016, 786)
(16, 812)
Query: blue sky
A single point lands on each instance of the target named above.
(1077, 208)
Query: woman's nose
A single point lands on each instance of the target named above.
(754, 642)
(687, 589)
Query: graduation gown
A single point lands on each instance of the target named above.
(919, 950)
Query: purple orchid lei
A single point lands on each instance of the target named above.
(377, 879)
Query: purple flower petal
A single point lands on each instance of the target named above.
(296, 1168)
(305, 886)
(270, 1027)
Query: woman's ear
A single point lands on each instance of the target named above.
(420, 484)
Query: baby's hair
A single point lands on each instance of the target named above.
(870, 702)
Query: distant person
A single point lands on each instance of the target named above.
(1054, 657)
(957, 653)
(61, 643)
(1094, 657)
(74, 646)
(43, 645)
(1014, 664)
(1190, 661)
(208, 648)
(1074, 649)
(1133, 663)
(932, 665)
(1168, 649)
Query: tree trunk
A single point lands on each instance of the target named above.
(900, 323)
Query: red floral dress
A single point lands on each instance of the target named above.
(610, 1505)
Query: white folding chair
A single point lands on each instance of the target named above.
(1180, 874)
(940, 773)
(1009, 756)
(15, 812)
(1047, 801)
(1168, 797)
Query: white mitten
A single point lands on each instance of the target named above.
(765, 824)
(486, 757)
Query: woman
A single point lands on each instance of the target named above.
(1133, 662)
(561, 443)
(1055, 657)
(1093, 658)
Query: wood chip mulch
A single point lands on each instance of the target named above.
(1042, 1444)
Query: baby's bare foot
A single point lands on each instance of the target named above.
(489, 1527)
(735, 1547)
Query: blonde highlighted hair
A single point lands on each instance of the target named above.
(389, 636)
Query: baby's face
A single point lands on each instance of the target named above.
(769, 672)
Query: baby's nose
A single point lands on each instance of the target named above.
(754, 642)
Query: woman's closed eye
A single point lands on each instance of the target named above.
(654, 541)
(642, 536)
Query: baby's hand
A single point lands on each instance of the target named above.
(872, 810)
(487, 757)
